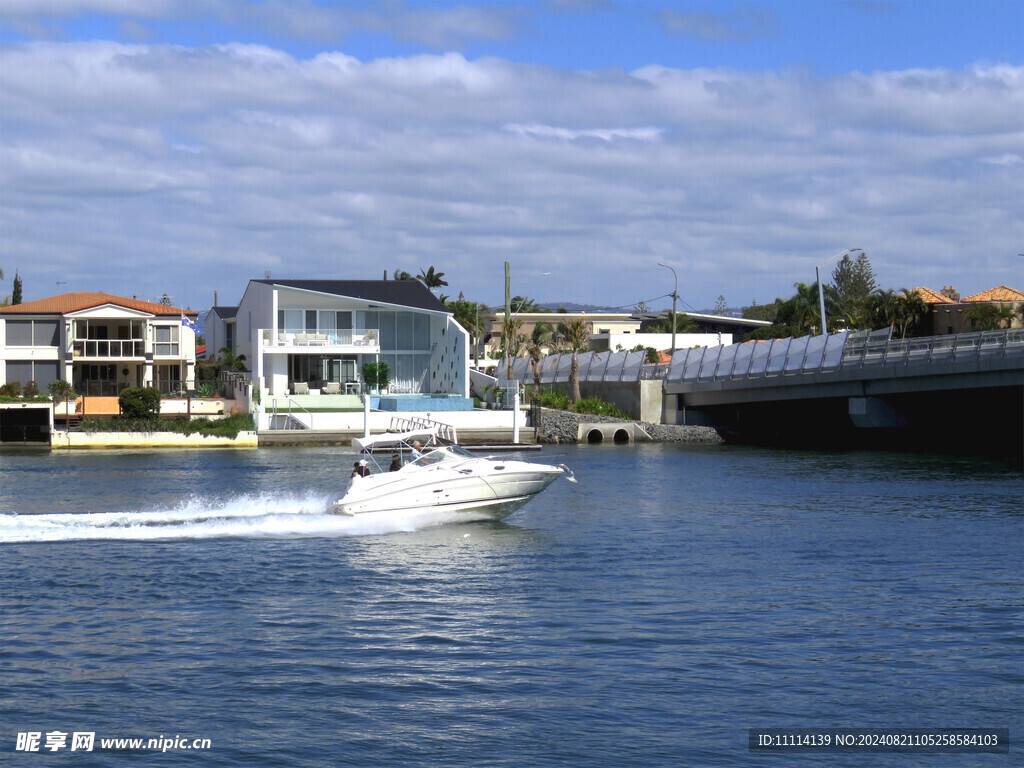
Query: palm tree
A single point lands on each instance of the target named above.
(231, 360)
(539, 338)
(522, 304)
(902, 310)
(990, 317)
(573, 334)
(914, 310)
(431, 279)
(683, 323)
(512, 341)
(800, 313)
(401, 274)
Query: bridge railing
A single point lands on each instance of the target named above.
(782, 358)
(935, 349)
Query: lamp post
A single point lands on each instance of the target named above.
(675, 297)
(821, 288)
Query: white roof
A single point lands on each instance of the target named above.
(393, 438)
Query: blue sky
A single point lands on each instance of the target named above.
(208, 142)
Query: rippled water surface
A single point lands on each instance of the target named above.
(647, 616)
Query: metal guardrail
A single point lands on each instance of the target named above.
(784, 358)
(445, 432)
(286, 420)
(89, 349)
(934, 349)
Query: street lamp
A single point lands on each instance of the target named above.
(821, 288)
(675, 296)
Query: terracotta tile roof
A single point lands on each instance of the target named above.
(73, 302)
(999, 293)
(928, 296)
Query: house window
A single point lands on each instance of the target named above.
(32, 333)
(41, 372)
(165, 340)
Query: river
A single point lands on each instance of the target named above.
(649, 615)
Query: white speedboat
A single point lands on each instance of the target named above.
(442, 478)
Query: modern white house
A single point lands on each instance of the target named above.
(99, 342)
(314, 336)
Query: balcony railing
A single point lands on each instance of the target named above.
(354, 337)
(109, 349)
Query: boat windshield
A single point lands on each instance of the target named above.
(439, 455)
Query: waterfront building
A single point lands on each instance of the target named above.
(314, 336)
(99, 342)
(948, 313)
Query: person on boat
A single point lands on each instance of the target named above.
(396, 463)
(417, 450)
(361, 469)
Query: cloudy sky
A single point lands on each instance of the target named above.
(186, 146)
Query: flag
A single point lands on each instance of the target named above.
(186, 323)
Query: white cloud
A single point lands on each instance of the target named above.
(229, 160)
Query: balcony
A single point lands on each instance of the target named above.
(349, 341)
(104, 349)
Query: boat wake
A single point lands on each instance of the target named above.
(240, 517)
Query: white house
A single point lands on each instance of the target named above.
(99, 342)
(316, 335)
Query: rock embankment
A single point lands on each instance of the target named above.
(563, 427)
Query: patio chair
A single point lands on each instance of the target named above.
(301, 388)
(332, 388)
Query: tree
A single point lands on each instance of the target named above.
(721, 307)
(377, 375)
(991, 317)
(512, 341)
(139, 402)
(641, 308)
(61, 390)
(902, 310)
(573, 334)
(231, 360)
(863, 282)
(651, 355)
(800, 314)
(165, 300)
(762, 311)
(523, 304)
(16, 295)
(541, 335)
(431, 279)
(467, 314)
(683, 324)
(853, 283)
(401, 274)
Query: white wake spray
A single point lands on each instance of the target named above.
(240, 517)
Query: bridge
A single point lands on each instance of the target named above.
(957, 392)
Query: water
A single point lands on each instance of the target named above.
(647, 616)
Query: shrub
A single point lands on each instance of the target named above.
(205, 389)
(31, 389)
(139, 402)
(377, 375)
(553, 398)
(599, 407)
(227, 427)
(11, 389)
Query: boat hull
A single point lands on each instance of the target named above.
(494, 494)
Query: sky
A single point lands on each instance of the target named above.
(183, 147)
